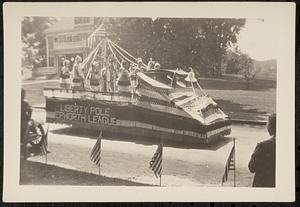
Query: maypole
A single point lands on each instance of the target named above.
(123, 56)
(90, 68)
(107, 46)
(110, 47)
(105, 51)
(127, 53)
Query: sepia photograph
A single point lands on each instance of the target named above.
(148, 101)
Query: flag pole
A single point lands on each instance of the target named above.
(46, 158)
(160, 180)
(100, 137)
(234, 174)
(162, 150)
(46, 139)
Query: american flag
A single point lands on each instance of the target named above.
(156, 161)
(230, 164)
(44, 143)
(96, 151)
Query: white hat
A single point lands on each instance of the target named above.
(190, 77)
(139, 60)
(157, 65)
(78, 58)
(66, 62)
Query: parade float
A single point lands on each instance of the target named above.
(161, 106)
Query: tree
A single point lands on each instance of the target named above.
(33, 39)
(178, 42)
(232, 60)
(219, 34)
(248, 69)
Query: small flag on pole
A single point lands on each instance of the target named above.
(96, 151)
(156, 161)
(230, 164)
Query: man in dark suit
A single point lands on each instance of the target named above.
(263, 159)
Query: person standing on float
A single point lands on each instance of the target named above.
(102, 77)
(157, 66)
(139, 65)
(105, 78)
(78, 76)
(65, 75)
(124, 79)
(133, 76)
(190, 79)
(108, 77)
(95, 77)
(113, 74)
(151, 64)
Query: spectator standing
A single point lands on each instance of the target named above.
(263, 159)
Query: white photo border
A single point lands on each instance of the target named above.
(281, 14)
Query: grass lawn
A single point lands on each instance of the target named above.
(34, 173)
(254, 103)
(232, 96)
(249, 105)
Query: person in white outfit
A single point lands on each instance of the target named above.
(190, 78)
(78, 75)
(124, 81)
(65, 75)
(95, 77)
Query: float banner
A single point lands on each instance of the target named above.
(87, 113)
(113, 113)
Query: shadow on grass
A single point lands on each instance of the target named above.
(34, 173)
(220, 84)
(92, 134)
(239, 111)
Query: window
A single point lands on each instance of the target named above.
(82, 20)
(76, 38)
(68, 38)
(51, 61)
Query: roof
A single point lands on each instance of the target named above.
(66, 24)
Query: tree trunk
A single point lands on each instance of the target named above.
(247, 84)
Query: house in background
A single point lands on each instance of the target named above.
(66, 39)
